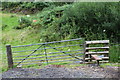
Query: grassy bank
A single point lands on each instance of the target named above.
(30, 35)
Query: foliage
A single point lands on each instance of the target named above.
(89, 20)
(72, 20)
(24, 7)
(23, 22)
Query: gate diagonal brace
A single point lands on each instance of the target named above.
(64, 52)
(30, 54)
(45, 53)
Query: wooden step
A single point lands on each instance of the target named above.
(89, 62)
(97, 42)
(90, 48)
(105, 58)
(96, 57)
(103, 61)
(95, 62)
(101, 52)
(87, 58)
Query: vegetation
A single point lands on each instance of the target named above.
(30, 22)
(115, 53)
(28, 7)
(89, 20)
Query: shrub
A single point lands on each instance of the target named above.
(24, 22)
(24, 7)
(91, 19)
(4, 26)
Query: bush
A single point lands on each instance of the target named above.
(24, 7)
(89, 20)
(4, 26)
(93, 20)
(24, 22)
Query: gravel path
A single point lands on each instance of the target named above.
(53, 71)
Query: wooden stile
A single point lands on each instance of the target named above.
(89, 56)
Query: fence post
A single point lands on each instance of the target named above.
(9, 56)
(84, 52)
(85, 55)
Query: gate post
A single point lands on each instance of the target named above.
(85, 55)
(84, 45)
(9, 56)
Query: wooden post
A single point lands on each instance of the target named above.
(87, 45)
(9, 56)
(84, 56)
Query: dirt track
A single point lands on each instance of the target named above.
(53, 71)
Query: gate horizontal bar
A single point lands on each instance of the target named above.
(46, 59)
(47, 48)
(64, 60)
(50, 53)
(47, 43)
(51, 62)
(50, 56)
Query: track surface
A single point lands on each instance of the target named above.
(54, 71)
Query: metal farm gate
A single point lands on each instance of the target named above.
(41, 54)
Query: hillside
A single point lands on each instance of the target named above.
(91, 21)
(60, 21)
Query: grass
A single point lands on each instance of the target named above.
(109, 64)
(14, 37)
(115, 53)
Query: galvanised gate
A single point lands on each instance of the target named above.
(56, 52)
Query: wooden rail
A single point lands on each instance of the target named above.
(97, 42)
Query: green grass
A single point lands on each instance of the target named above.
(14, 37)
(114, 53)
(109, 64)
(9, 20)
